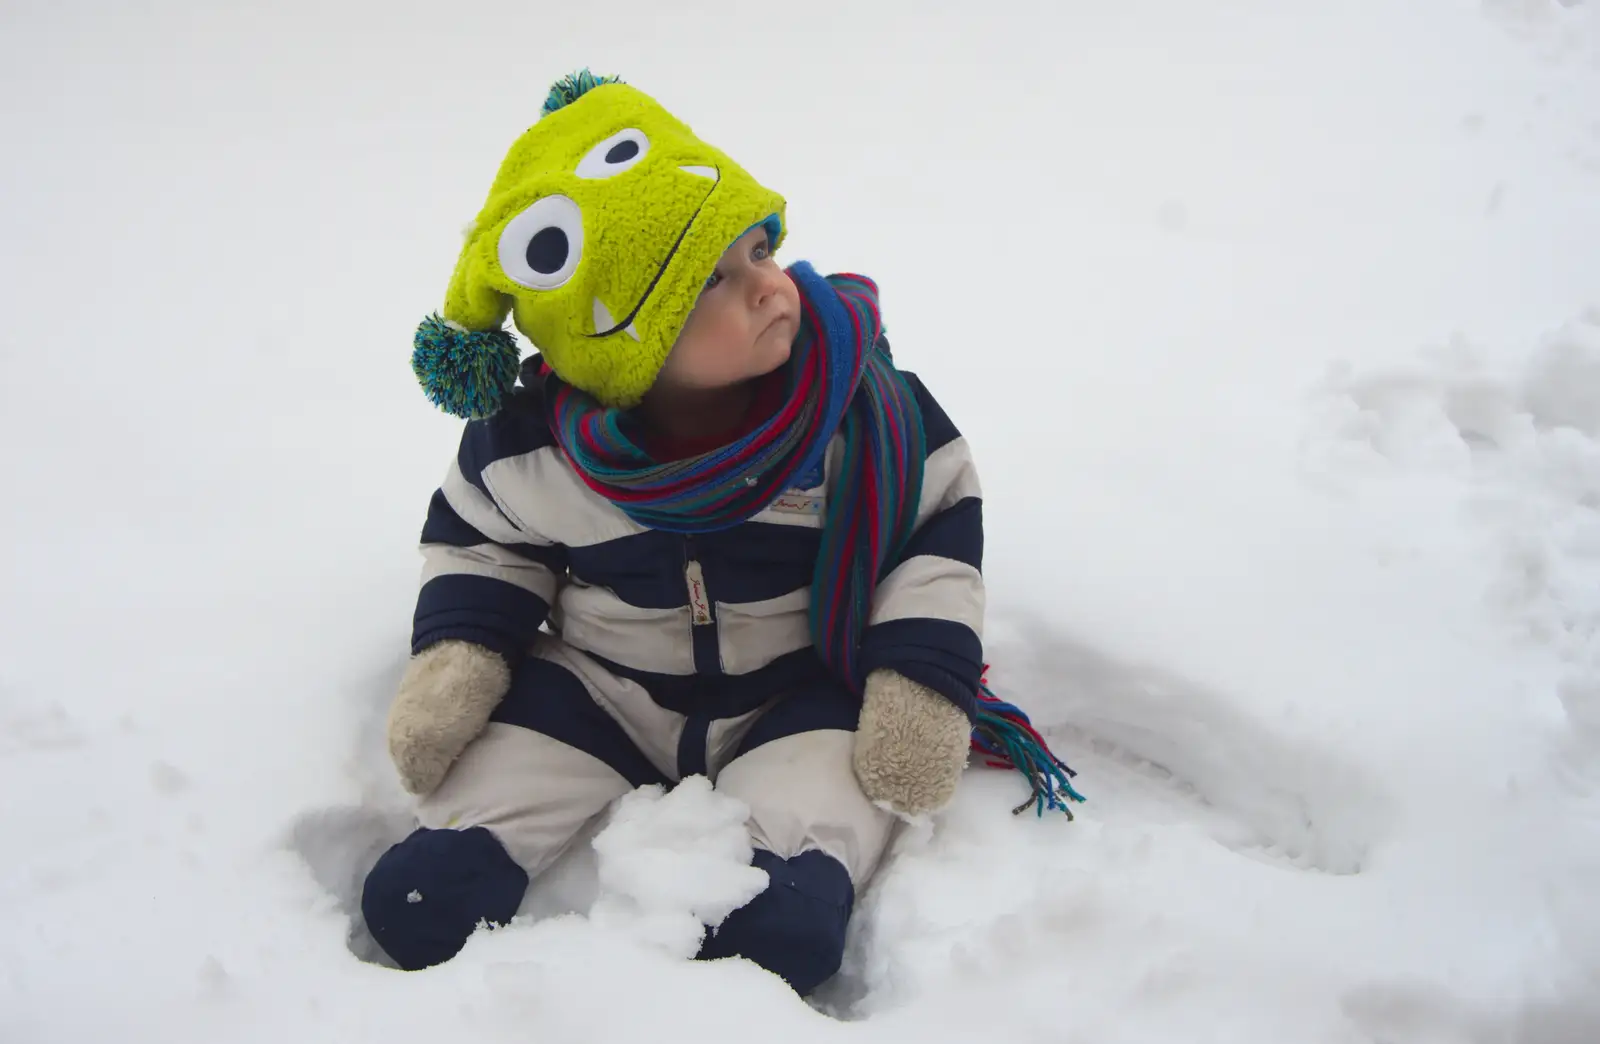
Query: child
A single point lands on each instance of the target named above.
(756, 542)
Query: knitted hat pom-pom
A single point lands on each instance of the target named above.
(573, 86)
(464, 372)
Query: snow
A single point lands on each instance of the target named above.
(1274, 328)
(670, 864)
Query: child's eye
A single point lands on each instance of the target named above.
(761, 251)
(711, 280)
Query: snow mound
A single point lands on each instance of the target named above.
(1521, 437)
(671, 862)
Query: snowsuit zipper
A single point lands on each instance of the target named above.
(702, 613)
(707, 660)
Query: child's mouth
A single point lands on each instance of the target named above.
(773, 325)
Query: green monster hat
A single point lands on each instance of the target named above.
(600, 230)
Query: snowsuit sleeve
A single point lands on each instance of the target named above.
(927, 614)
(486, 578)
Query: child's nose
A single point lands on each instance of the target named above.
(764, 283)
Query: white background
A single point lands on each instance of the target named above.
(1275, 328)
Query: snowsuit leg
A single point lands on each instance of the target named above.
(549, 760)
(568, 739)
(816, 835)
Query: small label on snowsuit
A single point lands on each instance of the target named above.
(699, 604)
(797, 504)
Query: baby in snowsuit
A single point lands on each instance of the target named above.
(755, 542)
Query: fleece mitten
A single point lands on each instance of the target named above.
(446, 696)
(911, 745)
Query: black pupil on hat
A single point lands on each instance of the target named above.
(547, 250)
(622, 152)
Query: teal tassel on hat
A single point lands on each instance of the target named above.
(467, 373)
(573, 86)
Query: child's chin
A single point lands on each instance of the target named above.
(770, 357)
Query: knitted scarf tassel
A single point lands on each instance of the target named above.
(1007, 739)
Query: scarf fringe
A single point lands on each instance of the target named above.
(1007, 739)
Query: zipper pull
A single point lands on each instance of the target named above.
(699, 604)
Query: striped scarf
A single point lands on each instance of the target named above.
(839, 381)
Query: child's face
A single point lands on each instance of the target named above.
(743, 324)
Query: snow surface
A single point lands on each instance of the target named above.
(1274, 327)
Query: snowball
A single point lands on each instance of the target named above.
(672, 863)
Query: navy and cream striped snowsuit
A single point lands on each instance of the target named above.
(666, 655)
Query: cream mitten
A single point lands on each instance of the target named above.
(446, 696)
(911, 745)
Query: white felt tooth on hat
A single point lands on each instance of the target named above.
(603, 321)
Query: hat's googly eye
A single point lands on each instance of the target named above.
(540, 247)
(616, 154)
